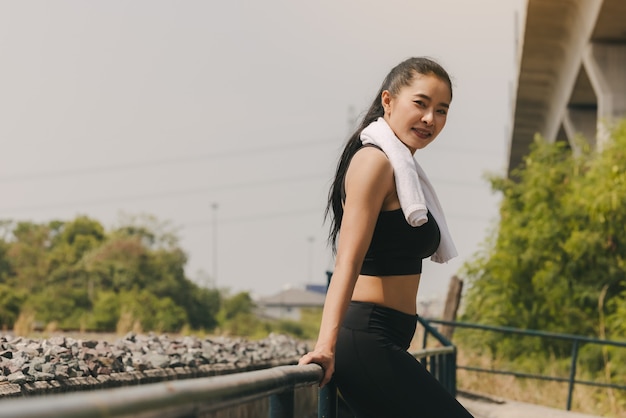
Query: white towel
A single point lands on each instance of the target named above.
(415, 192)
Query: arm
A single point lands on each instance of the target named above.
(369, 181)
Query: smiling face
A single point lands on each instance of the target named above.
(418, 112)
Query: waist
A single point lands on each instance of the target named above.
(397, 292)
(388, 323)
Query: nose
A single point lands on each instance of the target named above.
(428, 117)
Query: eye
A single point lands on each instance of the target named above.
(420, 103)
(442, 111)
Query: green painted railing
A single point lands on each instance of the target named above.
(442, 365)
(576, 340)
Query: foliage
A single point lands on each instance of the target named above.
(238, 316)
(10, 305)
(306, 329)
(557, 259)
(239, 304)
(77, 276)
(80, 276)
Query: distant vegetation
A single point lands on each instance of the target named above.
(557, 260)
(74, 275)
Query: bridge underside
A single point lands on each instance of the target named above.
(572, 78)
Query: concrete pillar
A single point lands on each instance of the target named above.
(605, 64)
(580, 23)
(580, 122)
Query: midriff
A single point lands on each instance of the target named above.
(396, 292)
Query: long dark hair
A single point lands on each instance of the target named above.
(400, 76)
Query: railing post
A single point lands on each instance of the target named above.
(282, 405)
(327, 401)
(445, 371)
(434, 365)
(441, 373)
(425, 363)
(452, 358)
(572, 375)
(442, 366)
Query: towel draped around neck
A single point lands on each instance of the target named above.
(415, 192)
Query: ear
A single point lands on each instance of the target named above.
(385, 100)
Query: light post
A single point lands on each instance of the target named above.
(311, 241)
(214, 207)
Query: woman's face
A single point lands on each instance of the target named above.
(418, 112)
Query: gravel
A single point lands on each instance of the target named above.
(59, 363)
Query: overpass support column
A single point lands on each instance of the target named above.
(605, 64)
(580, 121)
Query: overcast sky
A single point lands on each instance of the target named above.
(170, 108)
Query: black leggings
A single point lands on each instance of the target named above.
(376, 375)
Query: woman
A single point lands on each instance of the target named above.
(370, 315)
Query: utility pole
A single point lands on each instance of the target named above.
(311, 241)
(214, 207)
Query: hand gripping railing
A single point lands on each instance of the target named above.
(193, 397)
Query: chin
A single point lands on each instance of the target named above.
(420, 146)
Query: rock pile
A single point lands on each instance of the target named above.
(41, 365)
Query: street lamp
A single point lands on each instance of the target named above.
(311, 241)
(214, 207)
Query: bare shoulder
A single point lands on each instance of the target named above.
(371, 160)
(370, 170)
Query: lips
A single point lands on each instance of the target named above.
(422, 133)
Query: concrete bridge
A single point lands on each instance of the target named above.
(572, 72)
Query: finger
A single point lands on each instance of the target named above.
(328, 374)
(325, 380)
(305, 359)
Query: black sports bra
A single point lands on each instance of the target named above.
(398, 248)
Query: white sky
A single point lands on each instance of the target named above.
(167, 107)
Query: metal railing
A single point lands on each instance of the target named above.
(177, 398)
(442, 364)
(576, 341)
(194, 397)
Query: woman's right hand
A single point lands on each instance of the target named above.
(325, 358)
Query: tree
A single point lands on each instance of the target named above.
(6, 269)
(558, 244)
(78, 275)
(10, 303)
(236, 316)
(26, 254)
